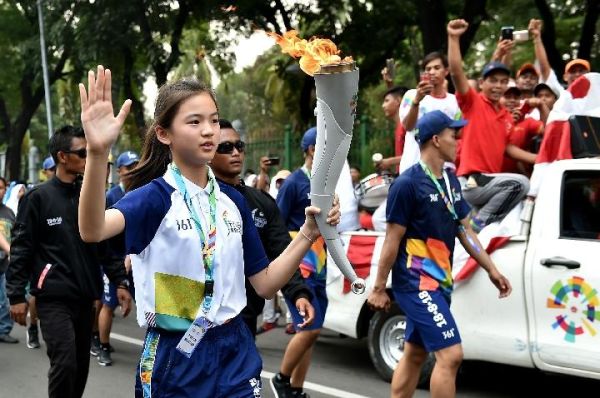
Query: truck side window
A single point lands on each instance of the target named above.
(580, 205)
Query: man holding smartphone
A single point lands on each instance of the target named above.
(262, 180)
(430, 94)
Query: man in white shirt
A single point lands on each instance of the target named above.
(430, 94)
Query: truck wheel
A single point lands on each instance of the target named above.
(386, 344)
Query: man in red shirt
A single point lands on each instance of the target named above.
(484, 140)
(526, 129)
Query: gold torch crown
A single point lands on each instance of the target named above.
(317, 56)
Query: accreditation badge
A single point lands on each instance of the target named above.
(194, 335)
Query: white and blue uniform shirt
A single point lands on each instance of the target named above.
(166, 255)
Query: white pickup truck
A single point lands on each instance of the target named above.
(551, 321)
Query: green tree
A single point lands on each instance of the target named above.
(22, 89)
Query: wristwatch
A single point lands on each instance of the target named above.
(124, 284)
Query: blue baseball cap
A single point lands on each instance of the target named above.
(127, 159)
(48, 163)
(493, 67)
(309, 138)
(433, 123)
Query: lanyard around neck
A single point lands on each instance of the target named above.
(306, 171)
(448, 200)
(207, 243)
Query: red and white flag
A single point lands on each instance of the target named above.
(581, 98)
(492, 237)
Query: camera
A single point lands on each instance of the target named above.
(506, 32)
(273, 160)
(520, 35)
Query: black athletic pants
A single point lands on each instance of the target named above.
(67, 329)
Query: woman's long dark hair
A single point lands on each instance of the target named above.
(156, 156)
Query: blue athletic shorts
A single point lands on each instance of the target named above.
(319, 301)
(109, 297)
(429, 322)
(226, 364)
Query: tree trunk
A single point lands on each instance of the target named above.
(589, 29)
(16, 135)
(137, 108)
(432, 23)
(549, 37)
(162, 68)
(284, 15)
(5, 120)
(474, 12)
(31, 98)
(306, 109)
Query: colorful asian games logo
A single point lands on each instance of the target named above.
(579, 305)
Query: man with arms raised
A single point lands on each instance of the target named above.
(484, 141)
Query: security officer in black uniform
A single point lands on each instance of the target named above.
(63, 271)
(227, 166)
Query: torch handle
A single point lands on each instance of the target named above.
(334, 243)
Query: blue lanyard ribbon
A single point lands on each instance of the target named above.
(207, 243)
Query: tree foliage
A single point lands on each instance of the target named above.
(158, 40)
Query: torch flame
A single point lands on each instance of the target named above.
(313, 53)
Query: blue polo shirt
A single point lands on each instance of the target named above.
(424, 260)
(166, 255)
(114, 195)
(292, 198)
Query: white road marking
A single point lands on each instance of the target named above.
(334, 392)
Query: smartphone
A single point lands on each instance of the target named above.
(273, 160)
(425, 77)
(520, 35)
(391, 67)
(506, 32)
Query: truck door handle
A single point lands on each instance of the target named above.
(560, 261)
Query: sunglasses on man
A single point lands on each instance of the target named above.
(226, 148)
(82, 153)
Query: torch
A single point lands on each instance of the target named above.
(337, 88)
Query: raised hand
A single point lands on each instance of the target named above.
(502, 49)
(457, 27)
(535, 28)
(99, 123)
(386, 76)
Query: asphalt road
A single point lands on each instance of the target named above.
(340, 368)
